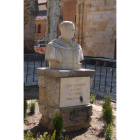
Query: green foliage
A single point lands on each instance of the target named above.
(58, 125)
(67, 138)
(107, 113)
(25, 107)
(106, 101)
(29, 136)
(32, 106)
(109, 132)
(108, 116)
(53, 136)
(92, 98)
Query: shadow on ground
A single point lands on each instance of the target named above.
(38, 129)
(101, 134)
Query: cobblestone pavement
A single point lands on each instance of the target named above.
(98, 85)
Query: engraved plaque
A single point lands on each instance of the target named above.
(76, 115)
(74, 91)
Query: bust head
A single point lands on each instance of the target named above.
(67, 29)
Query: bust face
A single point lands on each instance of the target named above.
(67, 32)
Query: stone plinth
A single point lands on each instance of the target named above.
(56, 88)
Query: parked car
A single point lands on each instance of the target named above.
(41, 42)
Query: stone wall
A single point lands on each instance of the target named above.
(30, 12)
(96, 27)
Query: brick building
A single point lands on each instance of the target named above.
(40, 20)
(30, 12)
(68, 12)
(96, 27)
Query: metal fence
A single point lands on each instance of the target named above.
(31, 63)
(104, 79)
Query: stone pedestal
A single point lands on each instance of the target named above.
(66, 92)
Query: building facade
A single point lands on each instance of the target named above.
(96, 27)
(95, 23)
(40, 20)
(68, 12)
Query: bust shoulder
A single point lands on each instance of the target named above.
(62, 44)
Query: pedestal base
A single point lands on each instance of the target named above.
(75, 117)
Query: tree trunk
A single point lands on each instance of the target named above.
(30, 12)
(53, 14)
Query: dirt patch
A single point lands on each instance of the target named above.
(95, 132)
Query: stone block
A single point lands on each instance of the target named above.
(41, 71)
(66, 73)
(44, 109)
(42, 95)
(53, 111)
(52, 89)
(41, 81)
(75, 118)
(77, 115)
(45, 121)
(74, 91)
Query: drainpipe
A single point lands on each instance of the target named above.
(79, 23)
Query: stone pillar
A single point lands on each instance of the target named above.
(79, 23)
(66, 92)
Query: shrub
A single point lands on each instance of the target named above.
(92, 98)
(29, 136)
(58, 125)
(109, 132)
(108, 116)
(107, 113)
(25, 108)
(106, 101)
(32, 106)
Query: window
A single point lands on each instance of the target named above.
(39, 28)
(75, 18)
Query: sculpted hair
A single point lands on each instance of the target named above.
(65, 23)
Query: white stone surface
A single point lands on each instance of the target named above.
(64, 53)
(72, 88)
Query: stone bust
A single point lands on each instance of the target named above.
(63, 52)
